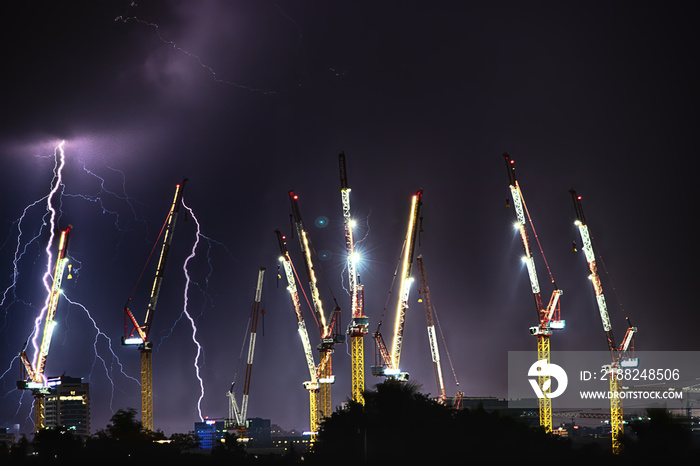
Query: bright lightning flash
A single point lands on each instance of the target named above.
(52, 212)
(189, 317)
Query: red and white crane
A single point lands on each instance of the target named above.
(312, 385)
(236, 414)
(432, 335)
(329, 328)
(548, 318)
(619, 355)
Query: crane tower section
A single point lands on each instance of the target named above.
(357, 328)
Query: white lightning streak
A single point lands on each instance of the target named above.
(189, 317)
(60, 161)
(115, 358)
(191, 55)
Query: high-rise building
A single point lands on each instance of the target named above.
(210, 433)
(259, 432)
(67, 406)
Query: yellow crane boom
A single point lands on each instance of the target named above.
(34, 377)
(387, 362)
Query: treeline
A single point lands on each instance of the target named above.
(397, 424)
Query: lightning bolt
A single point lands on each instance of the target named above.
(98, 198)
(109, 373)
(60, 162)
(196, 58)
(187, 314)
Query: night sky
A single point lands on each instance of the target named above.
(251, 99)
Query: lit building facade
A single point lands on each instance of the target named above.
(209, 433)
(67, 406)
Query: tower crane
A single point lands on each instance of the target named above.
(236, 414)
(547, 318)
(357, 328)
(139, 334)
(619, 356)
(33, 374)
(390, 365)
(328, 327)
(312, 385)
(432, 337)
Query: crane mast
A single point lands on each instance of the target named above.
(312, 385)
(234, 413)
(358, 326)
(432, 337)
(548, 318)
(33, 377)
(618, 355)
(329, 337)
(139, 334)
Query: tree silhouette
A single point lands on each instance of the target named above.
(185, 442)
(228, 450)
(400, 424)
(124, 438)
(396, 423)
(57, 445)
(661, 437)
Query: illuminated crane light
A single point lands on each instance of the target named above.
(132, 341)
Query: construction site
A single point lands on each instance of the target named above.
(376, 338)
(271, 221)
